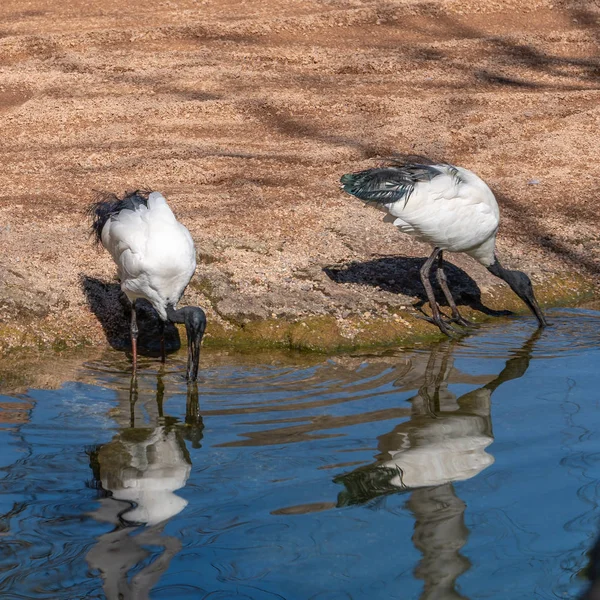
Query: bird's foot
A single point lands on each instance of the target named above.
(447, 329)
(459, 320)
(444, 326)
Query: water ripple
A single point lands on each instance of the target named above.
(571, 331)
(393, 474)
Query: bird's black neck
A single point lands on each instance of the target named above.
(499, 271)
(520, 284)
(194, 319)
(175, 316)
(513, 278)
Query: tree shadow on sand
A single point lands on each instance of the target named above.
(400, 275)
(113, 311)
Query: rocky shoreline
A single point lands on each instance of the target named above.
(245, 116)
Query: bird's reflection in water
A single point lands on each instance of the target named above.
(445, 440)
(138, 473)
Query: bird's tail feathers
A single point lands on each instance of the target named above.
(386, 185)
(349, 179)
(376, 185)
(353, 183)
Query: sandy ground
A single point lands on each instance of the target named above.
(245, 114)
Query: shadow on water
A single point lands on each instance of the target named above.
(113, 310)
(401, 275)
(136, 475)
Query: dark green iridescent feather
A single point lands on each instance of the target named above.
(386, 185)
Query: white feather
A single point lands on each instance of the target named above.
(450, 447)
(455, 214)
(147, 473)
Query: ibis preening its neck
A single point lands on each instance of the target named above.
(450, 208)
(156, 259)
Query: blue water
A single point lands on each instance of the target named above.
(468, 470)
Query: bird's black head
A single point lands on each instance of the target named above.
(194, 319)
(521, 285)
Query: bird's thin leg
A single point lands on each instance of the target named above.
(436, 315)
(160, 399)
(133, 396)
(134, 337)
(163, 356)
(441, 277)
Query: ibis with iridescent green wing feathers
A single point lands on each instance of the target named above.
(450, 208)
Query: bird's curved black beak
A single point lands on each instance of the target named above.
(193, 356)
(195, 325)
(534, 307)
(520, 284)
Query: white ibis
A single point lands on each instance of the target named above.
(452, 209)
(156, 259)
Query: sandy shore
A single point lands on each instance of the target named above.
(245, 114)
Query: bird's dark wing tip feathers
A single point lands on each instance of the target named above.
(379, 184)
(390, 183)
(107, 204)
(347, 178)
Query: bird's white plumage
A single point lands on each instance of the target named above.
(154, 253)
(146, 472)
(458, 214)
(449, 447)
